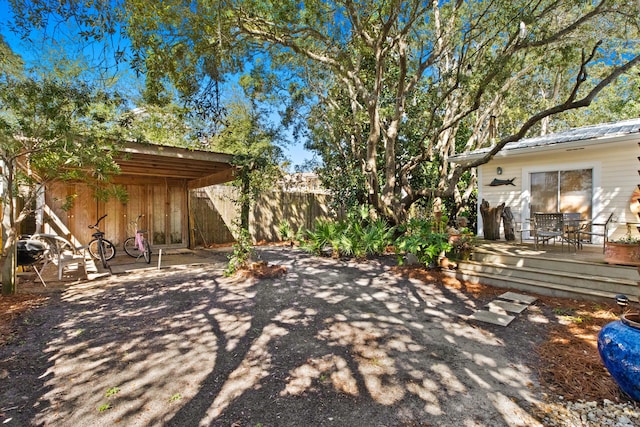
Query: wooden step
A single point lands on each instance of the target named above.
(539, 287)
(610, 285)
(560, 274)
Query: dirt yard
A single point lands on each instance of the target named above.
(320, 342)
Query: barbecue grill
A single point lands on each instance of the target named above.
(29, 251)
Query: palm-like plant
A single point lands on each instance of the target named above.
(356, 236)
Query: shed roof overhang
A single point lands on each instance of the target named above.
(199, 168)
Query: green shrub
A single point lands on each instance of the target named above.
(242, 252)
(285, 231)
(358, 236)
(420, 239)
(463, 246)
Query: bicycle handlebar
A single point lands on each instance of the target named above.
(136, 220)
(98, 222)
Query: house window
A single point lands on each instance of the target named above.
(562, 191)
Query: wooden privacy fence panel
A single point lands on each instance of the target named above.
(214, 214)
(300, 209)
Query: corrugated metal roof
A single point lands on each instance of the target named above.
(593, 133)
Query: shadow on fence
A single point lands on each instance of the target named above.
(214, 213)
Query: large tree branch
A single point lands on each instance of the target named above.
(570, 103)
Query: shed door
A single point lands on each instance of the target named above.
(562, 191)
(163, 206)
(169, 209)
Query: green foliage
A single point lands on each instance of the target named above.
(112, 391)
(104, 407)
(10, 63)
(388, 91)
(176, 397)
(160, 125)
(286, 232)
(242, 252)
(357, 236)
(420, 238)
(322, 236)
(257, 157)
(51, 128)
(462, 246)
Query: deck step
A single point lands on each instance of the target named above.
(539, 287)
(559, 275)
(608, 284)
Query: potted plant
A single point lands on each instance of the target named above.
(462, 246)
(624, 251)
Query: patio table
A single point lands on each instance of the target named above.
(557, 225)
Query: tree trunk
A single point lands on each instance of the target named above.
(245, 205)
(491, 219)
(8, 269)
(8, 272)
(508, 224)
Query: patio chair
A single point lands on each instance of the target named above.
(571, 224)
(62, 253)
(525, 226)
(547, 227)
(587, 229)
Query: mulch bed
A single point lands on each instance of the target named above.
(570, 364)
(11, 308)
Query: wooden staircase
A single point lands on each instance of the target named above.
(565, 275)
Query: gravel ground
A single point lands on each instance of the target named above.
(591, 414)
(330, 343)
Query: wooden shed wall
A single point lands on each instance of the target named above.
(162, 202)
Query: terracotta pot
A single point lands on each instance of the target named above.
(619, 348)
(444, 262)
(622, 253)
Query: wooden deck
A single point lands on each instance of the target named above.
(551, 270)
(589, 253)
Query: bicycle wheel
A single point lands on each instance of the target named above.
(108, 249)
(130, 247)
(101, 254)
(147, 251)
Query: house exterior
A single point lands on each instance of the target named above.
(592, 170)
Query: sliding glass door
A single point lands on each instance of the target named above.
(562, 191)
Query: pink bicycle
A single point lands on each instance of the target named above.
(138, 246)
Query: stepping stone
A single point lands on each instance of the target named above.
(499, 306)
(514, 297)
(494, 318)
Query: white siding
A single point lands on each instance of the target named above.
(615, 177)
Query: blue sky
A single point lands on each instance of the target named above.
(36, 53)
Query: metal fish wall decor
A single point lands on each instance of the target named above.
(496, 182)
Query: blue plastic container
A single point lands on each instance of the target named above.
(619, 348)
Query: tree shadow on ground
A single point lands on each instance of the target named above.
(330, 343)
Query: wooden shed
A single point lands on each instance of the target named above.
(157, 180)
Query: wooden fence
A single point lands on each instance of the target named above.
(214, 214)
